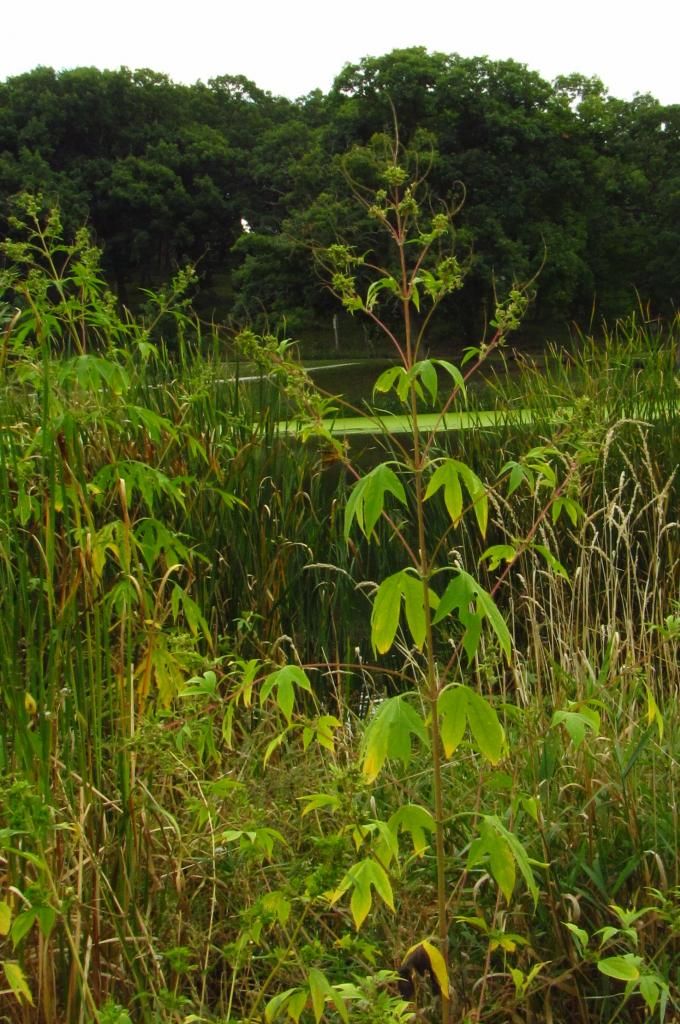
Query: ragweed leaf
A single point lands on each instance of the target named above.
(576, 722)
(385, 614)
(387, 379)
(361, 878)
(473, 604)
(501, 847)
(284, 680)
(416, 821)
(460, 706)
(455, 375)
(550, 560)
(277, 1003)
(498, 553)
(387, 609)
(319, 989)
(316, 801)
(17, 981)
(452, 475)
(438, 965)
(5, 918)
(367, 500)
(452, 711)
(389, 734)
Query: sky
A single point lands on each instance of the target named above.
(291, 47)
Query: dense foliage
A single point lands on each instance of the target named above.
(559, 177)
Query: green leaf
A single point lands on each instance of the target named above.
(472, 603)
(517, 474)
(387, 378)
(275, 902)
(459, 595)
(452, 711)
(426, 372)
(454, 373)
(296, 1005)
(576, 722)
(284, 680)
(521, 859)
(414, 592)
(383, 283)
(276, 1004)
(316, 801)
(485, 727)
(360, 878)
(487, 607)
(550, 560)
(46, 919)
(367, 500)
(502, 864)
(650, 989)
(415, 820)
(498, 553)
(386, 848)
(360, 904)
(22, 925)
(579, 934)
(319, 988)
(388, 734)
(386, 611)
(623, 968)
(378, 877)
(501, 845)
(448, 477)
(572, 508)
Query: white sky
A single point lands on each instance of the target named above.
(293, 46)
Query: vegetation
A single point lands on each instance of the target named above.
(561, 176)
(290, 735)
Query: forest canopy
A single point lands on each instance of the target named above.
(561, 178)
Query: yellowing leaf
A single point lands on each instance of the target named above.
(5, 918)
(17, 981)
(438, 965)
(389, 734)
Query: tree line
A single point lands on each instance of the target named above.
(558, 181)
